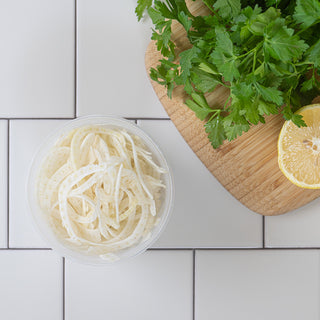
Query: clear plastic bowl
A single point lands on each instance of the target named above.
(40, 218)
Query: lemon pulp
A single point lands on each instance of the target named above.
(299, 149)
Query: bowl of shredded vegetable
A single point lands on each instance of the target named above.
(100, 190)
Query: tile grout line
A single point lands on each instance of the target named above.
(170, 249)
(8, 177)
(193, 284)
(318, 284)
(35, 118)
(71, 118)
(147, 118)
(263, 232)
(25, 249)
(188, 249)
(63, 288)
(234, 248)
(75, 56)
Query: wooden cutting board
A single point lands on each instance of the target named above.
(247, 167)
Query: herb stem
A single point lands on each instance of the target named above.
(254, 61)
(303, 30)
(245, 54)
(225, 104)
(215, 112)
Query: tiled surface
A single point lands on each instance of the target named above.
(111, 72)
(204, 214)
(37, 58)
(3, 182)
(157, 285)
(31, 285)
(250, 285)
(26, 136)
(176, 279)
(299, 228)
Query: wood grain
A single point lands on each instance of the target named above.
(247, 167)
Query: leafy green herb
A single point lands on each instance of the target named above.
(307, 12)
(227, 8)
(215, 131)
(142, 5)
(266, 52)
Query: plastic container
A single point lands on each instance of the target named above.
(40, 218)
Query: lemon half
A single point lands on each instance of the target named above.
(299, 149)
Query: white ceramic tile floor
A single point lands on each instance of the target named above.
(31, 285)
(250, 285)
(299, 228)
(204, 214)
(37, 80)
(26, 136)
(3, 182)
(156, 285)
(111, 72)
(37, 58)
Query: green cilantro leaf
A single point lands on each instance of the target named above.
(224, 43)
(229, 69)
(142, 5)
(307, 12)
(287, 112)
(164, 44)
(223, 56)
(295, 118)
(298, 120)
(307, 85)
(251, 112)
(235, 123)
(267, 108)
(163, 36)
(314, 54)
(236, 130)
(184, 20)
(199, 106)
(216, 132)
(186, 58)
(209, 68)
(270, 94)
(228, 8)
(157, 18)
(165, 74)
(243, 94)
(283, 45)
(200, 100)
(258, 22)
(203, 81)
(242, 91)
(167, 10)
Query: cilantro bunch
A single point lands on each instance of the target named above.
(267, 53)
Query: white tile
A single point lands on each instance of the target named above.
(26, 136)
(111, 73)
(3, 182)
(37, 58)
(155, 285)
(250, 285)
(204, 214)
(299, 228)
(31, 285)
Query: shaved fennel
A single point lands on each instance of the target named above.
(101, 190)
